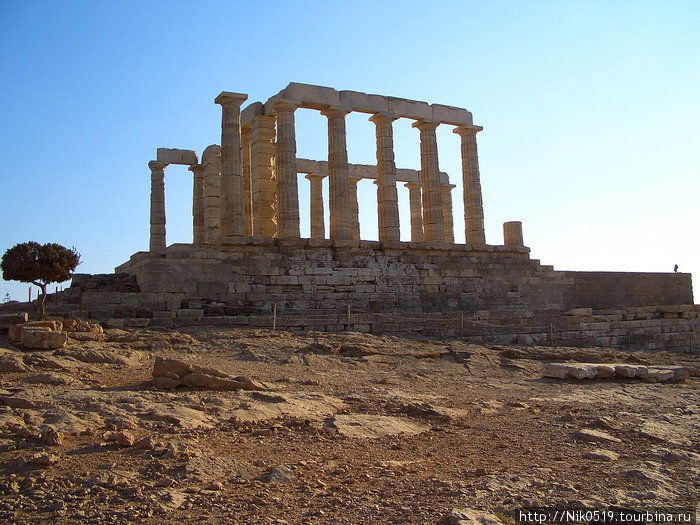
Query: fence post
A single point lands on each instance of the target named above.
(274, 316)
(348, 317)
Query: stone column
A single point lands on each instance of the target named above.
(354, 207)
(338, 184)
(473, 206)
(263, 178)
(318, 226)
(448, 221)
(211, 160)
(247, 186)
(513, 233)
(414, 199)
(387, 198)
(232, 209)
(286, 165)
(197, 203)
(433, 226)
(157, 244)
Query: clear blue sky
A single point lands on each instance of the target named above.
(591, 114)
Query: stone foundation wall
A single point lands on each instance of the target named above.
(623, 289)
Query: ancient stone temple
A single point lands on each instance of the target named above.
(247, 257)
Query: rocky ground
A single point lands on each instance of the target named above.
(349, 428)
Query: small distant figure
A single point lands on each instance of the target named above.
(675, 268)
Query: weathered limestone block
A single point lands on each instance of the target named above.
(310, 96)
(176, 156)
(569, 370)
(413, 109)
(364, 103)
(451, 115)
(43, 338)
(8, 320)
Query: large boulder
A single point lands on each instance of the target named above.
(42, 338)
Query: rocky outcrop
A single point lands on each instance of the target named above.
(171, 373)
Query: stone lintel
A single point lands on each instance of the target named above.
(228, 97)
(250, 112)
(451, 115)
(413, 109)
(425, 124)
(176, 156)
(312, 96)
(364, 103)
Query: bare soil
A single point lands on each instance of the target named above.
(352, 428)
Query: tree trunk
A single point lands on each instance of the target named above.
(41, 311)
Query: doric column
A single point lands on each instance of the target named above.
(247, 186)
(387, 198)
(318, 227)
(448, 221)
(286, 165)
(157, 244)
(433, 226)
(232, 209)
(354, 207)
(414, 200)
(338, 184)
(197, 203)
(263, 178)
(473, 206)
(211, 160)
(513, 233)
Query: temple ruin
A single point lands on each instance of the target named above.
(248, 258)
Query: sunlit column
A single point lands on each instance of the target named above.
(247, 183)
(157, 244)
(387, 198)
(338, 183)
(318, 227)
(197, 203)
(354, 207)
(414, 199)
(473, 206)
(447, 218)
(263, 179)
(211, 160)
(286, 165)
(232, 208)
(433, 226)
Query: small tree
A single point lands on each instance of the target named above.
(30, 262)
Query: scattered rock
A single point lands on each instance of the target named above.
(12, 363)
(43, 338)
(592, 435)
(603, 454)
(280, 474)
(169, 373)
(124, 439)
(375, 426)
(43, 459)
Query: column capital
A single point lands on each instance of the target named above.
(226, 98)
(156, 165)
(413, 185)
(335, 111)
(448, 186)
(466, 131)
(286, 104)
(314, 176)
(196, 168)
(382, 118)
(425, 125)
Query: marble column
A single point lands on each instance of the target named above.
(473, 206)
(387, 198)
(197, 203)
(448, 221)
(338, 183)
(433, 225)
(354, 207)
(232, 208)
(513, 233)
(263, 178)
(414, 199)
(157, 244)
(286, 165)
(211, 160)
(247, 183)
(318, 226)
